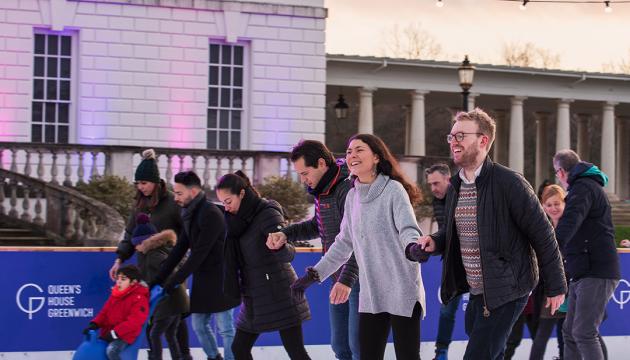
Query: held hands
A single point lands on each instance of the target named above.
(426, 243)
(276, 240)
(300, 285)
(339, 293)
(554, 303)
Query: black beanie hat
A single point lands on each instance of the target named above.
(148, 170)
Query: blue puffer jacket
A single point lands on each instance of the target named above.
(585, 231)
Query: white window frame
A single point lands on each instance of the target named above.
(72, 102)
(219, 86)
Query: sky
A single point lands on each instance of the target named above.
(584, 36)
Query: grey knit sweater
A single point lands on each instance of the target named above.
(378, 224)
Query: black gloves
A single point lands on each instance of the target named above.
(414, 252)
(91, 326)
(300, 285)
(108, 336)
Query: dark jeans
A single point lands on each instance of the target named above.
(182, 338)
(344, 326)
(587, 305)
(516, 334)
(167, 326)
(488, 335)
(292, 340)
(560, 338)
(114, 349)
(447, 323)
(374, 330)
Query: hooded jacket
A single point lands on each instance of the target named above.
(585, 231)
(265, 276)
(151, 254)
(126, 313)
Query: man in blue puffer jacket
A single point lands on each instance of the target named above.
(586, 237)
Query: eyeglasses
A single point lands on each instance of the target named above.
(459, 137)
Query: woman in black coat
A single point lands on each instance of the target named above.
(154, 199)
(262, 276)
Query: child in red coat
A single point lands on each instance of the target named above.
(124, 313)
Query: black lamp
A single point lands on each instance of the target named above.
(466, 73)
(341, 108)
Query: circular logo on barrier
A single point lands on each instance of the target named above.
(623, 293)
(33, 303)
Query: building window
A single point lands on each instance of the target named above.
(225, 97)
(52, 74)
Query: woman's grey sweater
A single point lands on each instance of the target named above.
(378, 224)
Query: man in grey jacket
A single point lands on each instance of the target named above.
(328, 182)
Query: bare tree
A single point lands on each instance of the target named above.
(410, 42)
(621, 67)
(529, 55)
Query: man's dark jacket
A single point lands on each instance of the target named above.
(515, 238)
(330, 199)
(439, 211)
(585, 231)
(204, 234)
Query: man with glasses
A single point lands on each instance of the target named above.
(586, 236)
(494, 225)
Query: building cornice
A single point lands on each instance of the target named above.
(236, 6)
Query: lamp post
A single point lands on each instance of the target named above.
(341, 108)
(466, 73)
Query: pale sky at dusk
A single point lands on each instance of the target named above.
(584, 36)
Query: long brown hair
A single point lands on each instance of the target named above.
(388, 165)
(148, 203)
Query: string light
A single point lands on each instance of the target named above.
(524, 5)
(607, 9)
(439, 3)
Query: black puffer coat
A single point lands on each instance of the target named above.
(515, 238)
(151, 254)
(265, 275)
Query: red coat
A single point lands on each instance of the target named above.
(125, 314)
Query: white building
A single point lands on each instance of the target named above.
(170, 73)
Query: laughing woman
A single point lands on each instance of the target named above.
(378, 225)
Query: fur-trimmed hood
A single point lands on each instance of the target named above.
(163, 238)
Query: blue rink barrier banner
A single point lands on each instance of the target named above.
(48, 298)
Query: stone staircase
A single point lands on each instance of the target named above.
(15, 236)
(621, 213)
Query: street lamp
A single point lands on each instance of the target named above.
(466, 73)
(341, 108)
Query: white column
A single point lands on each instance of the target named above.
(583, 148)
(608, 145)
(563, 133)
(623, 150)
(517, 149)
(542, 157)
(417, 143)
(366, 114)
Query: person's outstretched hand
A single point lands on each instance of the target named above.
(300, 285)
(114, 269)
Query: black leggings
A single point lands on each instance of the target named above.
(374, 330)
(292, 340)
(167, 327)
